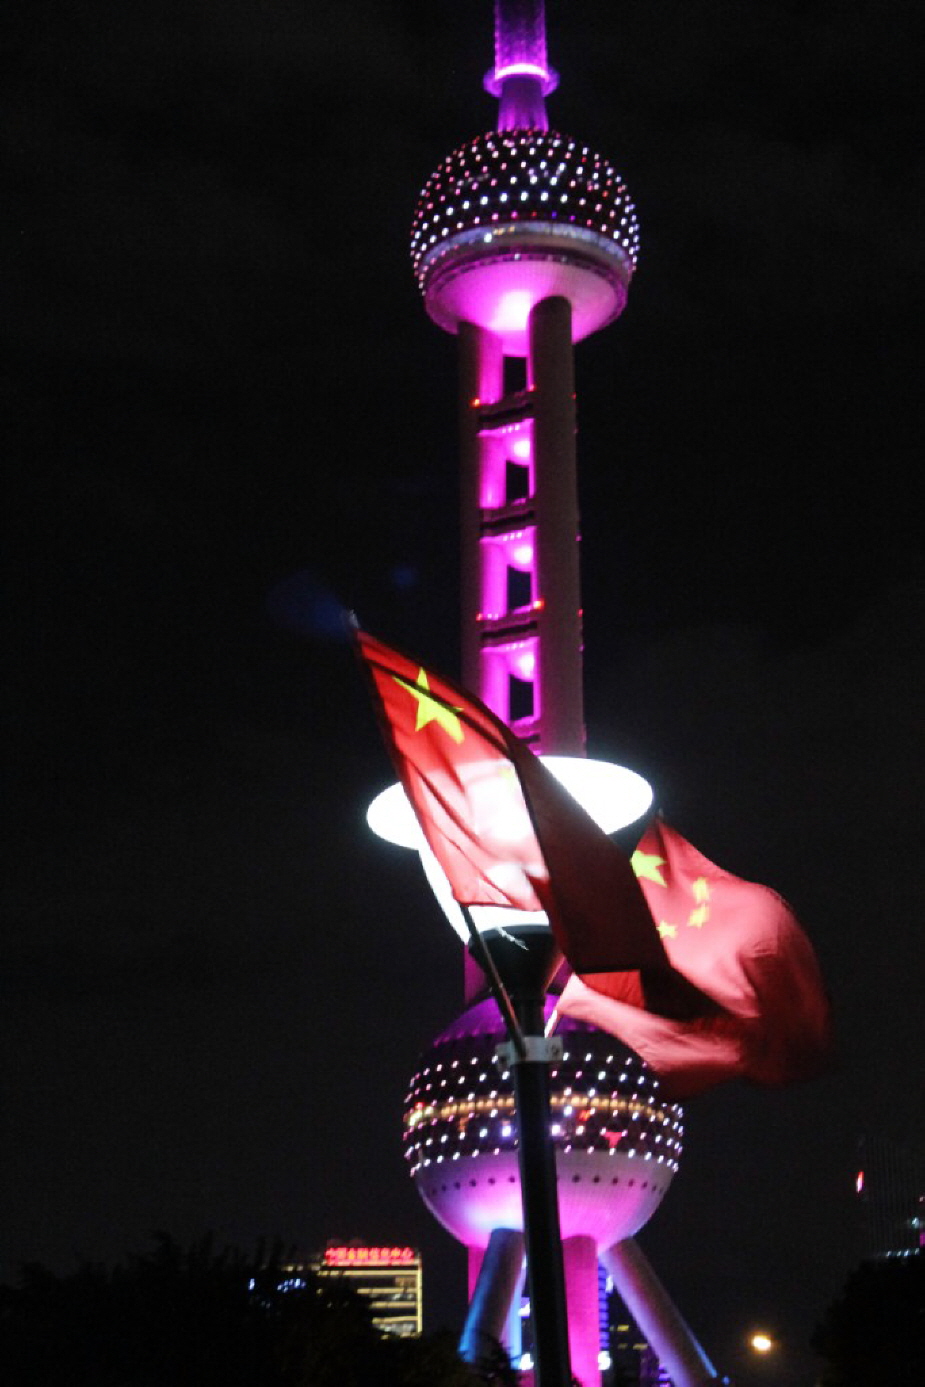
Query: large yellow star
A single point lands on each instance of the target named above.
(430, 709)
(646, 866)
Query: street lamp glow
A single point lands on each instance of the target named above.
(761, 1342)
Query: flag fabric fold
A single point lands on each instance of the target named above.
(740, 945)
(502, 828)
(706, 976)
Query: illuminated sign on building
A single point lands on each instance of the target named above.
(389, 1278)
(370, 1256)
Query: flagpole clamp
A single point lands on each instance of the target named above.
(538, 1049)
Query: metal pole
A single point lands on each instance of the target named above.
(526, 969)
(545, 1274)
(481, 951)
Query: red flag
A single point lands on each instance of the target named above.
(503, 829)
(740, 945)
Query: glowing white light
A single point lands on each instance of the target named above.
(520, 448)
(525, 664)
(614, 796)
(520, 70)
(512, 311)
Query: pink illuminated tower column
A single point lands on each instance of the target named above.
(524, 242)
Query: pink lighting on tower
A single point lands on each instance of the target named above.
(520, 39)
(525, 663)
(512, 312)
(610, 1193)
(522, 554)
(500, 74)
(524, 242)
(521, 76)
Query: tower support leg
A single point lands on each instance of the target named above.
(582, 1294)
(497, 1282)
(657, 1316)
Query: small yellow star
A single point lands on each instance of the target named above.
(646, 866)
(699, 917)
(666, 930)
(701, 889)
(430, 709)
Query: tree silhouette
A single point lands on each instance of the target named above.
(874, 1333)
(197, 1317)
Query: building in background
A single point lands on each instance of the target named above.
(632, 1362)
(626, 1358)
(390, 1278)
(890, 1185)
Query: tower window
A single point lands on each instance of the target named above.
(516, 482)
(521, 699)
(515, 374)
(519, 589)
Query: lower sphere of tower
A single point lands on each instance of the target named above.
(617, 1143)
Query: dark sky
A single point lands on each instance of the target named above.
(226, 412)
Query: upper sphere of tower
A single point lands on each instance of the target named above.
(515, 216)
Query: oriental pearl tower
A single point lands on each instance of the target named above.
(524, 242)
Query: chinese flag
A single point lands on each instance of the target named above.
(741, 947)
(707, 977)
(503, 829)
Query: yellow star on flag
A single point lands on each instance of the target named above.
(646, 866)
(699, 917)
(429, 708)
(664, 929)
(701, 889)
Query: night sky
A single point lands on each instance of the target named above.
(226, 414)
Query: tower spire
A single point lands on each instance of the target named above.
(521, 78)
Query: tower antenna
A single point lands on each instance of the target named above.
(521, 78)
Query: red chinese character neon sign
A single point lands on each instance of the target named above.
(350, 1256)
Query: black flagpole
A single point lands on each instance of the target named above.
(522, 962)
